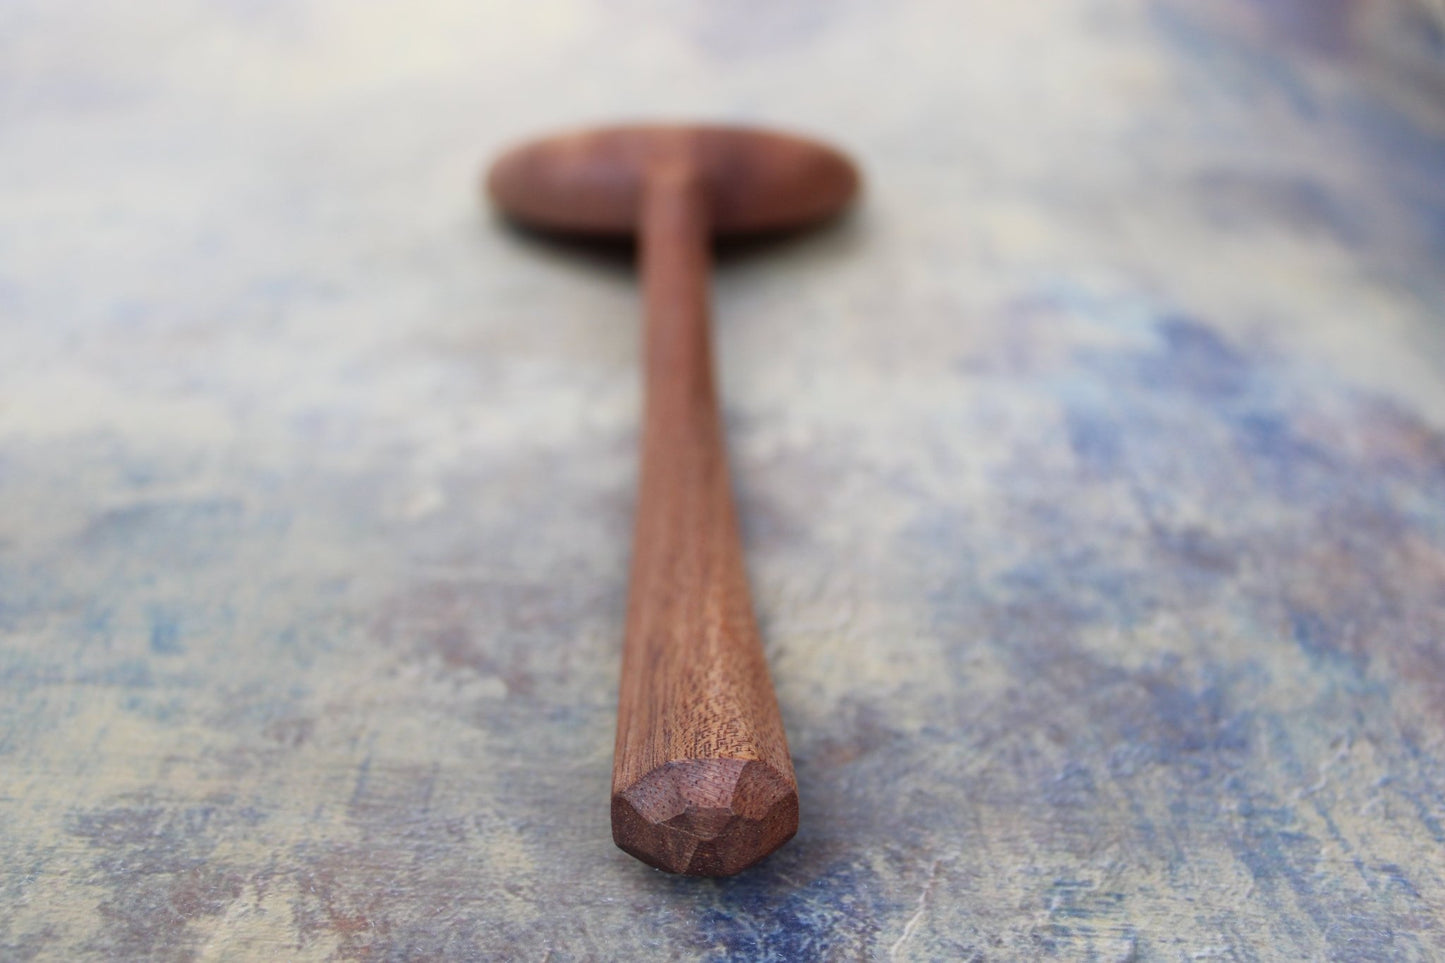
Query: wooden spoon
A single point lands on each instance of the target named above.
(701, 782)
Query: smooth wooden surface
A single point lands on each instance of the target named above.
(593, 181)
(1091, 480)
(702, 782)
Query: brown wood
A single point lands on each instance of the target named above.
(702, 781)
(592, 182)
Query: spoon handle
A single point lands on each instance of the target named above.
(701, 781)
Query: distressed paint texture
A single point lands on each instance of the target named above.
(1093, 478)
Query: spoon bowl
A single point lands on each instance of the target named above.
(591, 182)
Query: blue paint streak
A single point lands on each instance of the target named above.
(762, 918)
(165, 634)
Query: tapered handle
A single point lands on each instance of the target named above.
(701, 782)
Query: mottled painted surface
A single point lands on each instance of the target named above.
(1093, 478)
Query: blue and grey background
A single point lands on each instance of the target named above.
(1092, 476)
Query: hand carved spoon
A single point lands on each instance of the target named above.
(701, 782)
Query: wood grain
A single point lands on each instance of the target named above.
(702, 782)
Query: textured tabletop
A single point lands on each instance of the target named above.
(1092, 478)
